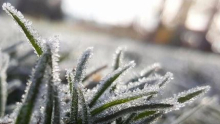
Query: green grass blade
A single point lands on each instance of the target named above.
(25, 112)
(191, 94)
(53, 45)
(79, 74)
(81, 66)
(85, 109)
(108, 80)
(151, 119)
(56, 110)
(3, 85)
(25, 26)
(166, 79)
(117, 62)
(69, 76)
(120, 101)
(118, 58)
(49, 97)
(144, 114)
(121, 112)
(49, 100)
(74, 105)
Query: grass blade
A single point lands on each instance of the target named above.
(151, 119)
(117, 62)
(56, 110)
(108, 80)
(120, 101)
(49, 99)
(53, 46)
(144, 114)
(85, 109)
(25, 111)
(3, 85)
(191, 94)
(74, 105)
(69, 76)
(25, 25)
(81, 66)
(118, 58)
(166, 79)
(80, 69)
(121, 112)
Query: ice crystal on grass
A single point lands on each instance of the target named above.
(25, 25)
(47, 101)
(118, 57)
(108, 80)
(36, 80)
(190, 95)
(145, 73)
(3, 85)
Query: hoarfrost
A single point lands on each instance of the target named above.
(10, 10)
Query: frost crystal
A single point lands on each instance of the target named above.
(118, 57)
(54, 47)
(192, 94)
(3, 85)
(111, 101)
(36, 41)
(82, 63)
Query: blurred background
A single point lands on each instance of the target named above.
(182, 35)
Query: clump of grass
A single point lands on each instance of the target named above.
(48, 101)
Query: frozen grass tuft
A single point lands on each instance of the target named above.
(133, 101)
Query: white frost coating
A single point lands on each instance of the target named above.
(153, 67)
(138, 102)
(3, 84)
(6, 120)
(82, 64)
(141, 84)
(166, 79)
(146, 82)
(4, 62)
(9, 9)
(54, 47)
(145, 73)
(84, 105)
(144, 93)
(204, 90)
(119, 50)
(65, 99)
(90, 92)
(149, 118)
(178, 105)
(102, 83)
